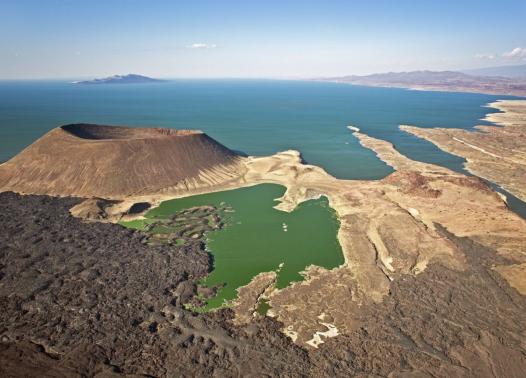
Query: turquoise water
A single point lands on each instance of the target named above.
(258, 117)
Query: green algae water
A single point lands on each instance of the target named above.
(258, 238)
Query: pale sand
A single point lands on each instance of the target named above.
(496, 153)
(515, 275)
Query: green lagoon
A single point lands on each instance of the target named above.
(258, 238)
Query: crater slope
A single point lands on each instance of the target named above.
(88, 160)
(432, 283)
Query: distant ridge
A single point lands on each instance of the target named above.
(87, 160)
(121, 79)
(449, 81)
(515, 71)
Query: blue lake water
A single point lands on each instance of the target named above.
(258, 117)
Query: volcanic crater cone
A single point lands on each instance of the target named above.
(88, 160)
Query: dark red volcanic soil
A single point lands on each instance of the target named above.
(111, 162)
(93, 299)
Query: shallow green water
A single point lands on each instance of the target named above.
(254, 239)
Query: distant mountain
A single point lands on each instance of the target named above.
(121, 79)
(518, 71)
(448, 81)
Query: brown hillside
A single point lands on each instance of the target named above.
(114, 162)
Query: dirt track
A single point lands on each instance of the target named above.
(93, 299)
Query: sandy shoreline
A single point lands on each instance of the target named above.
(389, 229)
(376, 249)
(437, 88)
(496, 153)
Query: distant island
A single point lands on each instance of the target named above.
(121, 79)
(449, 81)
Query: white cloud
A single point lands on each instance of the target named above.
(203, 46)
(517, 53)
(485, 56)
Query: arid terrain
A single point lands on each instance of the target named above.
(497, 153)
(433, 282)
(449, 81)
(94, 300)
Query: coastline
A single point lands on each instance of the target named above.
(432, 88)
(496, 153)
(389, 229)
(375, 248)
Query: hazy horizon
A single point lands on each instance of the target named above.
(275, 39)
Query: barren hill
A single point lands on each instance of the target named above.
(449, 81)
(114, 162)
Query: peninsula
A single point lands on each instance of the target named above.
(496, 153)
(449, 81)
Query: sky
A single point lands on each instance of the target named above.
(265, 39)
